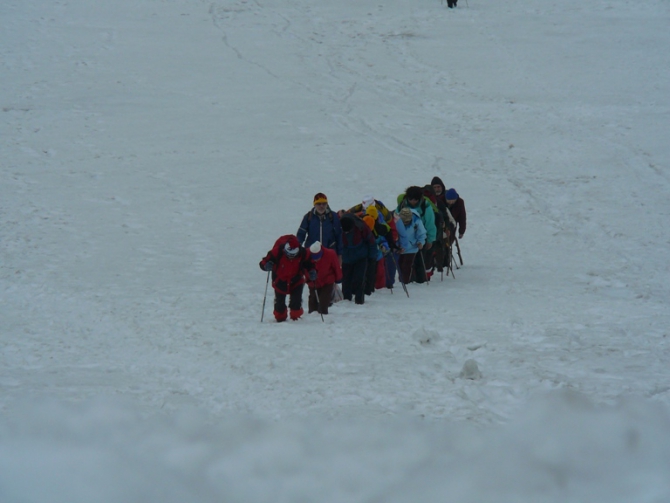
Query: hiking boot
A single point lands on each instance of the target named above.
(296, 313)
(280, 316)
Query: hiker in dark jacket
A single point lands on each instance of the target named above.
(359, 251)
(289, 263)
(446, 233)
(456, 206)
(321, 224)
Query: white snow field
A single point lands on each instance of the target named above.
(151, 151)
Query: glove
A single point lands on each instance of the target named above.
(268, 265)
(460, 236)
(312, 275)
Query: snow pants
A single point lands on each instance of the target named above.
(420, 265)
(353, 280)
(320, 297)
(406, 266)
(390, 262)
(370, 277)
(295, 300)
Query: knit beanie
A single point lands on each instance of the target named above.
(368, 200)
(406, 215)
(316, 250)
(369, 221)
(373, 212)
(320, 198)
(292, 247)
(451, 194)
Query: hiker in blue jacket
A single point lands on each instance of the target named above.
(414, 199)
(321, 224)
(411, 240)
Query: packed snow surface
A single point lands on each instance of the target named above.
(152, 151)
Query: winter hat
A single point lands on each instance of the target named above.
(292, 247)
(316, 250)
(320, 198)
(406, 215)
(451, 194)
(369, 221)
(347, 222)
(373, 212)
(414, 192)
(368, 200)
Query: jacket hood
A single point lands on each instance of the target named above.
(438, 181)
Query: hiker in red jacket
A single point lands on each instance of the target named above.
(289, 263)
(329, 272)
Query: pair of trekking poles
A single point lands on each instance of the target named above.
(452, 260)
(411, 272)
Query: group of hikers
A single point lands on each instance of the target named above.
(363, 248)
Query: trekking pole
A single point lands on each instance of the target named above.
(425, 273)
(267, 282)
(318, 301)
(441, 266)
(387, 276)
(458, 247)
(404, 287)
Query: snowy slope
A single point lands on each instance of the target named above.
(152, 151)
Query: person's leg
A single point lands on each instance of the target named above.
(391, 260)
(419, 269)
(295, 302)
(439, 254)
(347, 279)
(325, 294)
(380, 280)
(358, 280)
(405, 266)
(280, 306)
(311, 301)
(370, 274)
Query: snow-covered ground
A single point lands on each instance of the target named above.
(151, 152)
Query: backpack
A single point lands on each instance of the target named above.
(429, 195)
